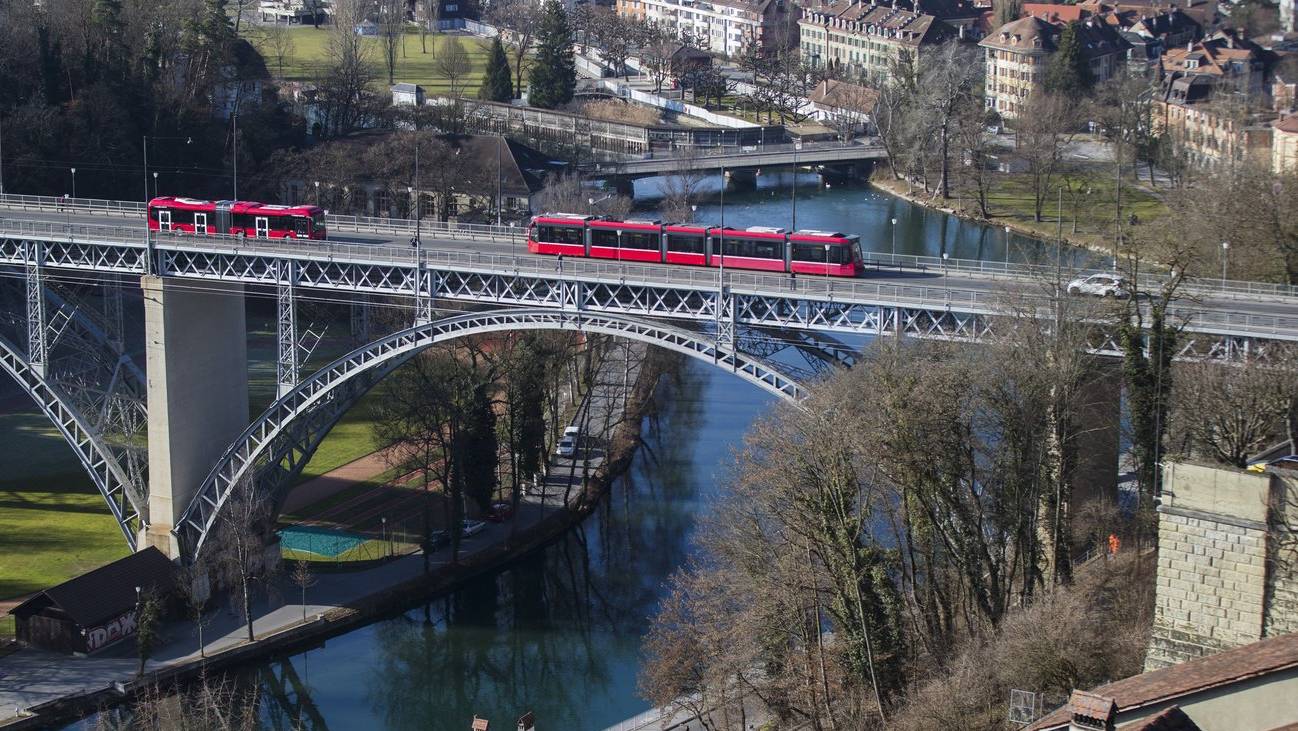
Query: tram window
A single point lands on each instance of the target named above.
(182, 217)
(685, 244)
(153, 213)
(755, 248)
(560, 235)
(646, 240)
(816, 253)
(603, 237)
(241, 220)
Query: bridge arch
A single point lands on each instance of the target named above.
(98, 459)
(276, 446)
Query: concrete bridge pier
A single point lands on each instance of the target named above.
(623, 185)
(196, 351)
(848, 172)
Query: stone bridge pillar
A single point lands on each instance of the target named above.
(196, 351)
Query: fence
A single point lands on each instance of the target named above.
(404, 228)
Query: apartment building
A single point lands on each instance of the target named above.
(1211, 124)
(1223, 57)
(727, 27)
(1018, 54)
(867, 40)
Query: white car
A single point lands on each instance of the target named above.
(567, 446)
(1100, 285)
(470, 528)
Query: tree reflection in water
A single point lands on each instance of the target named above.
(559, 632)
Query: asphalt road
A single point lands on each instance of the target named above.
(1260, 308)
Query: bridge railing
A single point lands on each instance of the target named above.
(487, 232)
(935, 293)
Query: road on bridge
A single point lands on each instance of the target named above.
(1204, 301)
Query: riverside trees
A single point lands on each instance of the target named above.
(903, 530)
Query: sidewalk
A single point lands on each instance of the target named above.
(32, 677)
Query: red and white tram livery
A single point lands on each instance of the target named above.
(758, 248)
(259, 220)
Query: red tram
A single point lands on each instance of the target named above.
(758, 247)
(260, 220)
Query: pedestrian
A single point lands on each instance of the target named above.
(1113, 545)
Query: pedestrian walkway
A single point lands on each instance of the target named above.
(32, 677)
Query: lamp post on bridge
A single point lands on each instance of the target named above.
(74, 183)
(155, 183)
(1007, 248)
(894, 241)
(1225, 258)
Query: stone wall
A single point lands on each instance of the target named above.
(1212, 562)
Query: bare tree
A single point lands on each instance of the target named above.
(431, 10)
(392, 29)
(1045, 129)
(345, 92)
(947, 76)
(277, 42)
(615, 35)
(658, 46)
(566, 193)
(1231, 414)
(304, 579)
(452, 62)
(243, 536)
(193, 585)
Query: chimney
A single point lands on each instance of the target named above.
(1090, 712)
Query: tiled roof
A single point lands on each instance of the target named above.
(1053, 12)
(1173, 719)
(96, 597)
(1288, 124)
(1241, 663)
(1023, 35)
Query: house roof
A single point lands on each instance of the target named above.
(407, 88)
(1268, 656)
(1213, 56)
(1026, 35)
(1173, 719)
(1053, 12)
(1288, 125)
(904, 26)
(836, 93)
(97, 596)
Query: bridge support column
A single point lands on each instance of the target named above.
(287, 367)
(624, 186)
(1100, 422)
(197, 355)
(37, 330)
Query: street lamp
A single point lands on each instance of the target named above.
(826, 259)
(1225, 257)
(317, 192)
(946, 281)
(74, 182)
(894, 241)
(155, 183)
(1007, 248)
(797, 146)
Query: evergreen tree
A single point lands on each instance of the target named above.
(479, 448)
(1069, 73)
(1007, 11)
(498, 84)
(554, 73)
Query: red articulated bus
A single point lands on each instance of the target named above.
(259, 220)
(758, 248)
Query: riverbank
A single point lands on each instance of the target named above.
(1011, 205)
(56, 688)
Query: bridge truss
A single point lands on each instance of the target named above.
(272, 451)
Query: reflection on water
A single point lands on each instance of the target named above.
(559, 633)
(857, 208)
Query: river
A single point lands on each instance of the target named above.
(560, 632)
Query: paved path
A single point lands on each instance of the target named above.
(30, 677)
(336, 480)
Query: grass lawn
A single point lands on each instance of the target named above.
(53, 523)
(310, 58)
(1011, 202)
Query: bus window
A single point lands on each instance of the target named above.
(318, 225)
(301, 226)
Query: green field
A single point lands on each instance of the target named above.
(309, 59)
(53, 524)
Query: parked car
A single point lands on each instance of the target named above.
(438, 539)
(500, 512)
(567, 446)
(1100, 285)
(470, 528)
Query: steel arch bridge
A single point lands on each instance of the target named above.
(278, 444)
